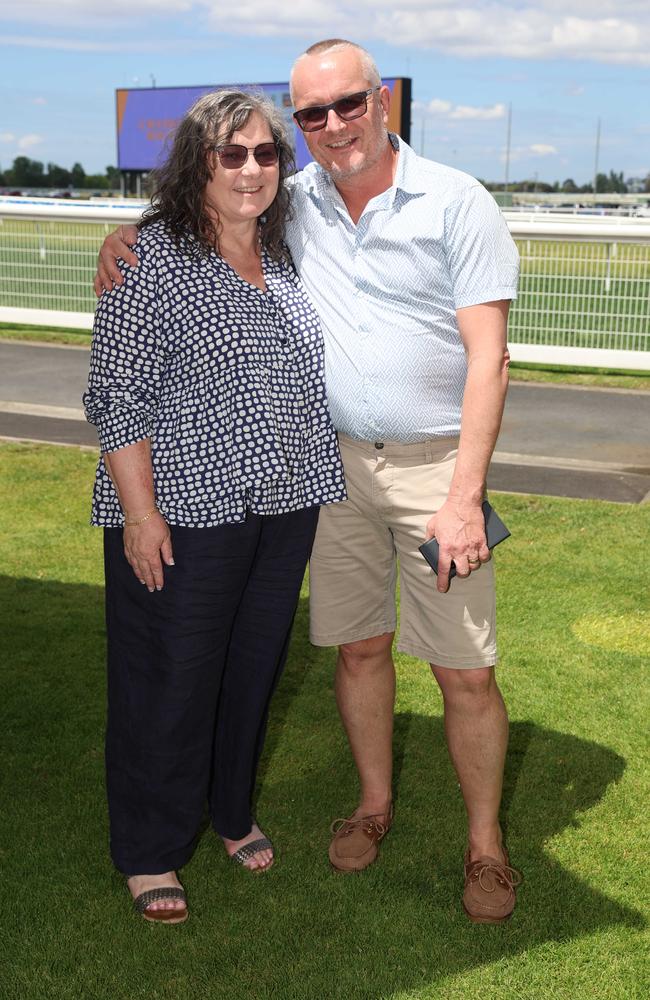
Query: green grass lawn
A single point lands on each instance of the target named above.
(574, 621)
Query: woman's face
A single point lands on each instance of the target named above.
(243, 193)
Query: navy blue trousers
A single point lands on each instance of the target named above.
(191, 670)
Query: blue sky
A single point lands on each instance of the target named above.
(562, 65)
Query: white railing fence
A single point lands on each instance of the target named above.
(584, 292)
(584, 296)
(48, 252)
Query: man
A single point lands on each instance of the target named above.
(412, 270)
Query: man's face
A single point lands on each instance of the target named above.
(345, 149)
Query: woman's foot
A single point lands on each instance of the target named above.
(260, 860)
(169, 910)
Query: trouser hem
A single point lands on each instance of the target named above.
(353, 635)
(231, 835)
(489, 659)
(172, 864)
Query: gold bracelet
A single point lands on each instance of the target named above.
(141, 520)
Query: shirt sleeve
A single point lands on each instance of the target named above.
(126, 360)
(482, 256)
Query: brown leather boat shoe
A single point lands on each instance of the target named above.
(489, 896)
(355, 844)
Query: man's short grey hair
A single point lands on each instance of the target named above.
(368, 64)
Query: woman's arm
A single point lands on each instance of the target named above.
(146, 533)
(126, 375)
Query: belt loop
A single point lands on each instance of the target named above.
(428, 452)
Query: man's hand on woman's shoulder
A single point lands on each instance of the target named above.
(115, 245)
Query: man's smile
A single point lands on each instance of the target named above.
(341, 143)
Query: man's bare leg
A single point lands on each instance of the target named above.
(476, 726)
(365, 695)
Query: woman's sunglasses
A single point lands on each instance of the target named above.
(233, 156)
(347, 108)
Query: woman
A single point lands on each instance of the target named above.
(206, 388)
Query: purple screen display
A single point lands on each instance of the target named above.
(147, 116)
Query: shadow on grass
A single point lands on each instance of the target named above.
(299, 932)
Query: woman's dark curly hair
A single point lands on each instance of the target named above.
(179, 185)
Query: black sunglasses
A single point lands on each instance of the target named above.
(233, 156)
(347, 108)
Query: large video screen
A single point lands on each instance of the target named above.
(147, 116)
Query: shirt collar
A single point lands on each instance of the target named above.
(407, 179)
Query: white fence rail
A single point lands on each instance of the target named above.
(584, 295)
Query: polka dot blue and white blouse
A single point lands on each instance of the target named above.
(226, 379)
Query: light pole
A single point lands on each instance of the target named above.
(505, 185)
(596, 159)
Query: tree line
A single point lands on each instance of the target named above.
(611, 183)
(28, 173)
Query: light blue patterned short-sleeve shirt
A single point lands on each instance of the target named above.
(387, 290)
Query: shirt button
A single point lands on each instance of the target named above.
(379, 445)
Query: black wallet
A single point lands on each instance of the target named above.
(495, 532)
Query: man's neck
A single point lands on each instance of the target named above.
(359, 190)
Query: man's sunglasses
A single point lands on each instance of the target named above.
(347, 108)
(233, 156)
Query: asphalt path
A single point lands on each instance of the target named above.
(555, 440)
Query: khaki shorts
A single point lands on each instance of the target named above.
(392, 493)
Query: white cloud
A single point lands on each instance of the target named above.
(92, 45)
(84, 12)
(437, 107)
(610, 31)
(532, 29)
(462, 112)
(21, 142)
(536, 149)
(29, 141)
(465, 111)
(39, 100)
